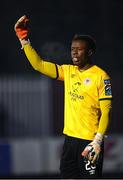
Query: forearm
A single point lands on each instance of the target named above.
(92, 151)
(38, 63)
(105, 116)
(104, 123)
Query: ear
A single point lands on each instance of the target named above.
(90, 52)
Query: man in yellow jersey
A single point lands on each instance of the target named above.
(88, 99)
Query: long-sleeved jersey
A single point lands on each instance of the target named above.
(87, 95)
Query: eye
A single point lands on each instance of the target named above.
(80, 49)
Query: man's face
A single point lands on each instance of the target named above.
(79, 53)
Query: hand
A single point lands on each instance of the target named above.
(92, 150)
(21, 28)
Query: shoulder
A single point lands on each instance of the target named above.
(68, 67)
(100, 72)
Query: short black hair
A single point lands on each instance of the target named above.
(91, 43)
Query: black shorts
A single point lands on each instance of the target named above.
(73, 165)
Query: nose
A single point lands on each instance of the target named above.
(75, 52)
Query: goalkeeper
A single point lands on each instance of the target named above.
(88, 100)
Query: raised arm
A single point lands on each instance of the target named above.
(50, 69)
(47, 68)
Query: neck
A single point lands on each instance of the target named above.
(85, 67)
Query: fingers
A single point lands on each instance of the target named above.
(95, 158)
(21, 20)
(90, 155)
(86, 151)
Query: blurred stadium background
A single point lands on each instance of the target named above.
(31, 105)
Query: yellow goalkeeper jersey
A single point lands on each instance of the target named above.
(83, 91)
(87, 95)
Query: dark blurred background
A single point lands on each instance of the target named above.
(32, 105)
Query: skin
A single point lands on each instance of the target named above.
(81, 55)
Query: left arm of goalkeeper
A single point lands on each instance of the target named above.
(95, 146)
(105, 107)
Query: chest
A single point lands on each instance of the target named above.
(81, 83)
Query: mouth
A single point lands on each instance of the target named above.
(76, 61)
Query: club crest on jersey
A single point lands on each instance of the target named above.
(87, 81)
